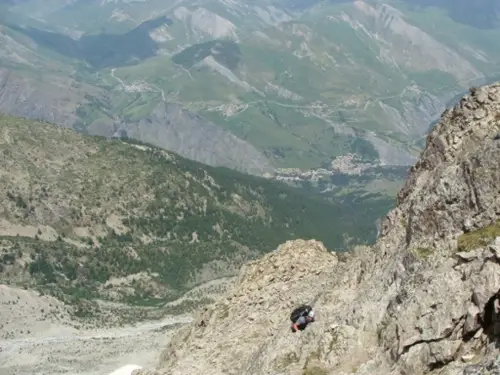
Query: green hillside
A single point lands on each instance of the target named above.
(83, 217)
(298, 87)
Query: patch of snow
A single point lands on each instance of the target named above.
(126, 370)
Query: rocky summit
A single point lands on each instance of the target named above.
(423, 299)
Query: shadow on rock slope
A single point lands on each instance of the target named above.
(423, 299)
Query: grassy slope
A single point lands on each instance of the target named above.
(288, 133)
(351, 88)
(291, 135)
(81, 214)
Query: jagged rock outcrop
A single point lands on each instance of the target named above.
(454, 184)
(424, 299)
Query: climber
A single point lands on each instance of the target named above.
(301, 317)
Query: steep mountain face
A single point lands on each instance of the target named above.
(52, 98)
(173, 128)
(423, 300)
(298, 83)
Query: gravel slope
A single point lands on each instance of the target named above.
(35, 339)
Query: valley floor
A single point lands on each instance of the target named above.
(38, 337)
(89, 352)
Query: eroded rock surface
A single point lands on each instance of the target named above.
(423, 299)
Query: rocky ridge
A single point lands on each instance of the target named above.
(424, 299)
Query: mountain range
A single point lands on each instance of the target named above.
(423, 300)
(81, 215)
(264, 87)
(144, 148)
(92, 226)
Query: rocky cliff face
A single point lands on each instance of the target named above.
(454, 184)
(423, 299)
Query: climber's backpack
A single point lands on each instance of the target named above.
(300, 311)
